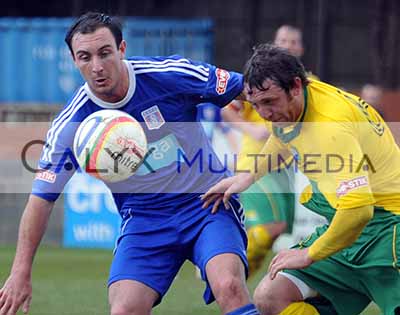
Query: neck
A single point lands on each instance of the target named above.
(300, 107)
(123, 86)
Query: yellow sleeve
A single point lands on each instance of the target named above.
(345, 228)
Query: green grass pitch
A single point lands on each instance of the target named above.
(73, 282)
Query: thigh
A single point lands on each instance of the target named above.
(338, 283)
(383, 285)
(221, 234)
(152, 265)
(277, 294)
(129, 296)
(227, 268)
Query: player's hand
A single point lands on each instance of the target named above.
(289, 259)
(16, 291)
(222, 191)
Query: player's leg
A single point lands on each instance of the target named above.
(219, 252)
(226, 276)
(129, 297)
(283, 295)
(380, 274)
(146, 261)
(383, 283)
(332, 278)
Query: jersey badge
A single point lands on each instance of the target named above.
(222, 80)
(153, 118)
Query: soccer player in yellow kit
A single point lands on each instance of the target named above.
(353, 163)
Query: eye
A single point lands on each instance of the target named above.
(83, 57)
(105, 54)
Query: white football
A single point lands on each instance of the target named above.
(110, 145)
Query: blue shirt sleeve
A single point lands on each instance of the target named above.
(198, 81)
(57, 163)
(222, 86)
(212, 84)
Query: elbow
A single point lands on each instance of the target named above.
(366, 215)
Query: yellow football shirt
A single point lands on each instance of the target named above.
(344, 148)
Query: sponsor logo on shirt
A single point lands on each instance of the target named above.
(46, 176)
(222, 80)
(351, 184)
(153, 118)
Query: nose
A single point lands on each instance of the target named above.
(97, 65)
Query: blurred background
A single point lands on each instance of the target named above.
(350, 44)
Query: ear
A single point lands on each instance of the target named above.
(297, 88)
(122, 49)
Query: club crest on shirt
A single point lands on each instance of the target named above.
(222, 80)
(351, 184)
(153, 117)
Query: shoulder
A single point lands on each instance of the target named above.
(170, 66)
(73, 108)
(330, 103)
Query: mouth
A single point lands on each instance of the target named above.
(100, 81)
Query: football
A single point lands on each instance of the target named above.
(110, 145)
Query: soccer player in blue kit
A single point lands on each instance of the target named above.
(163, 223)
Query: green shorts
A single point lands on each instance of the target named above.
(366, 271)
(270, 199)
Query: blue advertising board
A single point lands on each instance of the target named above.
(90, 215)
(38, 68)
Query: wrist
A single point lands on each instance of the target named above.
(23, 270)
(312, 253)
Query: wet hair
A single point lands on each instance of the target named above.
(91, 22)
(271, 62)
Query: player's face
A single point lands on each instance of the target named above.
(290, 40)
(274, 104)
(100, 62)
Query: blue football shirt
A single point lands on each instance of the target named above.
(163, 94)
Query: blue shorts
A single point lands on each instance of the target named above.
(152, 247)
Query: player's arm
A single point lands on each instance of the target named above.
(345, 228)
(259, 164)
(354, 207)
(232, 114)
(17, 290)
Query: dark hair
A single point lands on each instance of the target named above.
(271, 62)
(90, 22)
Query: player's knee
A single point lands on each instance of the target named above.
(267, 301)
(262, 301)
(229, 289)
